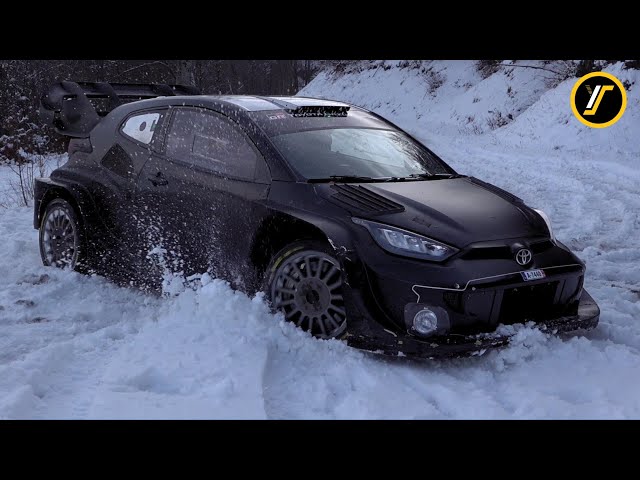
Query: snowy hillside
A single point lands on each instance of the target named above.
(452, 98)
(79, 347)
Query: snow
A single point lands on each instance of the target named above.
(544, 123)
(465, 103)
(73, 346)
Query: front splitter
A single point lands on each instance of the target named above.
(452, 345)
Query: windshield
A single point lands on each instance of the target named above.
(363, 152)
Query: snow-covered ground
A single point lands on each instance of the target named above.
(79, 347)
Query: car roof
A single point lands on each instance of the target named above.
(258, 103)
(265, 111)
(246, 103)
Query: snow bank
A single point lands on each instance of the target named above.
(550, 122)
(515, 105)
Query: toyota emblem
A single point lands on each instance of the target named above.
(523, 256)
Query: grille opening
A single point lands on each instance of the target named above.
(455, 301)
(503, 251)
(529, 302)
(488, 253)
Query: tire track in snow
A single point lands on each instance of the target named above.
(57, 328)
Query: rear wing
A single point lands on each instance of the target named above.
(74, 108)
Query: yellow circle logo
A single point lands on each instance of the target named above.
(598, 99)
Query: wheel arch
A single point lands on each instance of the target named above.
(52, 193)
(281, 229)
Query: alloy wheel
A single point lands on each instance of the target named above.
(60, 239)
(307, 287)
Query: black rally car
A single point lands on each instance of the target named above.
(352, 227)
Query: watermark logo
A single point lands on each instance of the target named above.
(598, 99)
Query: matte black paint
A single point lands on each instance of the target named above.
(204, 221)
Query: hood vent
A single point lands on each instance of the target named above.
(361, 199)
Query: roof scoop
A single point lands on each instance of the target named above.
(329, 111)
(310, 107)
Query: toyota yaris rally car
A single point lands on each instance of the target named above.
(353, 228)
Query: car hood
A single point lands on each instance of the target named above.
(457, 211)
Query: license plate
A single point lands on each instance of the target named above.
(533, 274)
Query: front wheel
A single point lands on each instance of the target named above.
(304, 281)
(61, 236)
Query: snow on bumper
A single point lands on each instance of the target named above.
(453, 345)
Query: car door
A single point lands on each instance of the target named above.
(113, 189)
(205, 194)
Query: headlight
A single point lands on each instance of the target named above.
(548, 222)
(408, 244)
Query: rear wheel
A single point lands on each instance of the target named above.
(61, 239)
(304, 281)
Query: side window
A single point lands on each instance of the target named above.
(142, 127)
(209, 140)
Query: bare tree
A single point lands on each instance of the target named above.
(185, 74)
(22, 82)
(26, 172)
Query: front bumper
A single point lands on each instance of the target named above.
(381, 340)
(477, 296)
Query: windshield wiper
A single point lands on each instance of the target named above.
(363, 179)
(422, 176)
(347, 179)
(434, 175)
